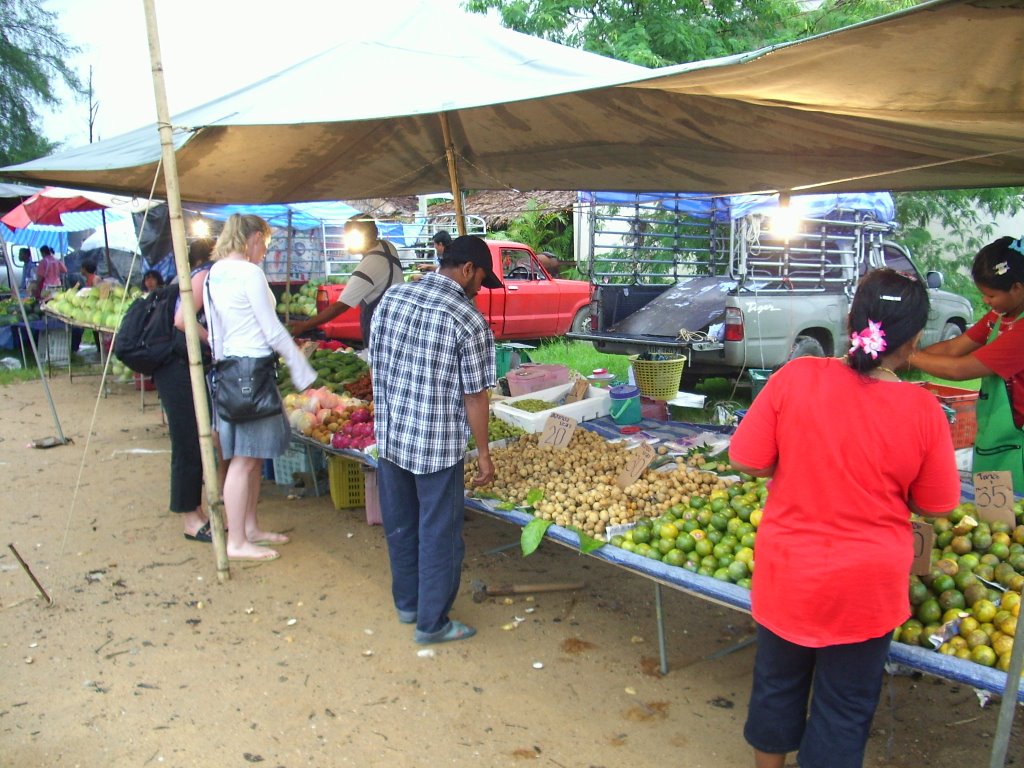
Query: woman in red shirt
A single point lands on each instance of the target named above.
(852, 451)
(992, 349)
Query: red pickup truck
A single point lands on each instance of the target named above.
(530, 305)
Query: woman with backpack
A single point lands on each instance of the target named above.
(175, 389)
(243, 325)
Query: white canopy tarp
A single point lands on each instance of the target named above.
(929, 98)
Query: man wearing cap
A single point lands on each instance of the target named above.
(432, 359)
(442, 241)
(379, 269)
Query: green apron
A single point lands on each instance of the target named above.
(999, 444)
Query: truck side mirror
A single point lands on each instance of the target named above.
(933, 280)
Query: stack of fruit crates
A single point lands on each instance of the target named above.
(346, 479)
(963, 423)
(299, 459)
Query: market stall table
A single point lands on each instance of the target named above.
(103, 335)
(704, 587)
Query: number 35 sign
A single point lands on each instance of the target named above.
(993, 496)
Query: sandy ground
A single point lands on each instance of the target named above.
(146, 659)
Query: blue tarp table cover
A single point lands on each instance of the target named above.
(705, 587)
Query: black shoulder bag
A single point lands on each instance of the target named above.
(244, 388)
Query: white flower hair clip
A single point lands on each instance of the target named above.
(1001, 268)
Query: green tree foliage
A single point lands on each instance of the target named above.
(967, 216)
(33, 55)
(542, 230)
(656, 33)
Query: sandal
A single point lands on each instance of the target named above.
(262, 559)
(274, 540)
(203, 534)
(457, 631)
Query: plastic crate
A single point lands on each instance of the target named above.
(347, 484)
(658, 378)
(58, 346)
(295, 461)
(964, 423)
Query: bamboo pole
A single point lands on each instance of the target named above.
(188, 305)
(453, 173)
(288, 270)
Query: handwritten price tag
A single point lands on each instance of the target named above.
(557, 432)
(993, 496)
(639, 460)
(924, 540)
(578, 391)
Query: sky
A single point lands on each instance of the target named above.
(208, 48)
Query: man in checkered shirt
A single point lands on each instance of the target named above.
(432, 358)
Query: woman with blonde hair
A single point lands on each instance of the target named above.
(243, 324)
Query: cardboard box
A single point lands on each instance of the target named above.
(596, 404)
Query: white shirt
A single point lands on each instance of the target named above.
(372, 277)
(240, 313)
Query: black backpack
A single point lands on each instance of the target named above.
(145, 340)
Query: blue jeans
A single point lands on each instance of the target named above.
(423, 516)
(845, 681)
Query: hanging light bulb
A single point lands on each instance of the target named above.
(200, 228)
(785, 222)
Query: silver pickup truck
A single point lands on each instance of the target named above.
(720, 286)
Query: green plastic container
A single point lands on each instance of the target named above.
(502, 359)
(758, 378)
(625, 404)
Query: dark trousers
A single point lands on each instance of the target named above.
(175, 388)
(423, 517)
(842, 682)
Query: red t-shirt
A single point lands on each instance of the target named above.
(1004, 356)
(834, 547)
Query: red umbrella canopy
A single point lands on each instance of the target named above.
(46, 207)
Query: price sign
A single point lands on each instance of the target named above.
(639, 460)
(924, 540)
(578, 391)
(557, 432)
(993, 496)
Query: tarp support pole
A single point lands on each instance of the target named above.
(1008, 706)
(32, 343)
(106, 241)
(453, 173)
(188, 306)
(288, 271)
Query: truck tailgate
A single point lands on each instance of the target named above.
(693, 304)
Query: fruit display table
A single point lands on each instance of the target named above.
(735, 597)
(705, 587)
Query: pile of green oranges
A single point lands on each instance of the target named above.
(712, 536)
(967, 605)
(969, 602)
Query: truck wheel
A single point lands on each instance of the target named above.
(950, 331)
(806, 346)
(582, 323)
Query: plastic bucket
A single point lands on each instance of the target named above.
(758, 378)
(625, 404)
(600, 378)
(502, 359)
